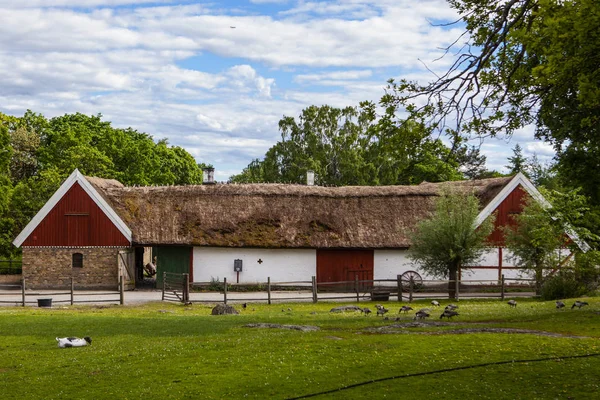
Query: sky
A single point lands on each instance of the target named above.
(215, 77)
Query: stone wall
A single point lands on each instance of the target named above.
(10, 279)
(52, 268)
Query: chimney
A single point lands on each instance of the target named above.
(310, 177)
(208, 176)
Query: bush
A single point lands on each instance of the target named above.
(562, 286)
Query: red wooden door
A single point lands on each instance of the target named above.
(344, 265)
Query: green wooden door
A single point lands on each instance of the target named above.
(171, 259)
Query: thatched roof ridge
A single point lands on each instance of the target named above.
(279, 215)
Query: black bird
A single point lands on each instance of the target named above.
(579, 304)
(404, 309)
(244, 305)
(422, 314)
(560, 304)
(448, 314)
(512, 303)
(382, 310)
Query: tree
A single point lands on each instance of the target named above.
(41, 153)
(542, 230)
(6, 220)
(522, 62)
(355, 146)
(449, 240)
(518, 162)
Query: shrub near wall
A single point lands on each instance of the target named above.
(52, 268)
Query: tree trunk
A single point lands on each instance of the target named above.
(539, 277)
(452, 275)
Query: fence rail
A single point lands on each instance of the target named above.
(68, 295)
(176, 287)
(376, 289)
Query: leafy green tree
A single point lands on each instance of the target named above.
(6, 220)
(449, 240)
(41, 153)
(524, 62)
(354, 146)
(541, 231)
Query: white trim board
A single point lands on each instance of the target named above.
(75, 177)
(522, 180)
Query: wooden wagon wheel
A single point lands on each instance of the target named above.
(416, 278)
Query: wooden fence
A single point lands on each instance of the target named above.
(375, 289)
(68, 295)
(176, 287)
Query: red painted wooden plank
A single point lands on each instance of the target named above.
(76, 220)
(513, 204)
(344, 265)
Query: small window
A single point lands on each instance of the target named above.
(77, 260)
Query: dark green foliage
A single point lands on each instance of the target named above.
(562, 286)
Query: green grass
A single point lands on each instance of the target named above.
(160, 351)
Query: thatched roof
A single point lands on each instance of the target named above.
(278, 215)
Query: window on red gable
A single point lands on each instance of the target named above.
(77, 260)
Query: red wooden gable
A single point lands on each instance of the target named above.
(511, 205)
(76, 220)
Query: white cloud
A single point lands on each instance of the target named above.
(128, 59)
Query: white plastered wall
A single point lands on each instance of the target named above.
(283, 265)
(388, 264)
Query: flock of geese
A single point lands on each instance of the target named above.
(450, 309)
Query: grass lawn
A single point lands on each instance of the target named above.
(161, 351)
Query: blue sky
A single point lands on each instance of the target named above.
(215, 77)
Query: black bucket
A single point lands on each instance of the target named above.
(44, 302)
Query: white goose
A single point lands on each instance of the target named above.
(73, 341)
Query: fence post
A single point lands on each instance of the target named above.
(224, 290)
(356, 287)
(399, 280)
(269, 290)
(121, 290)
(164, 284)
(411, 283)
(72, 291)
(186, 288)
(23, 291)
(502, 288)
(314, 289)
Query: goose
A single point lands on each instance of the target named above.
(435, 303)
(560, 304)
(73, 342)
(422, 314)
(382, 310)
(366, 310)
(405, 309)
(448, 314)
(579, 304)
(451, 307)
(512, 303)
